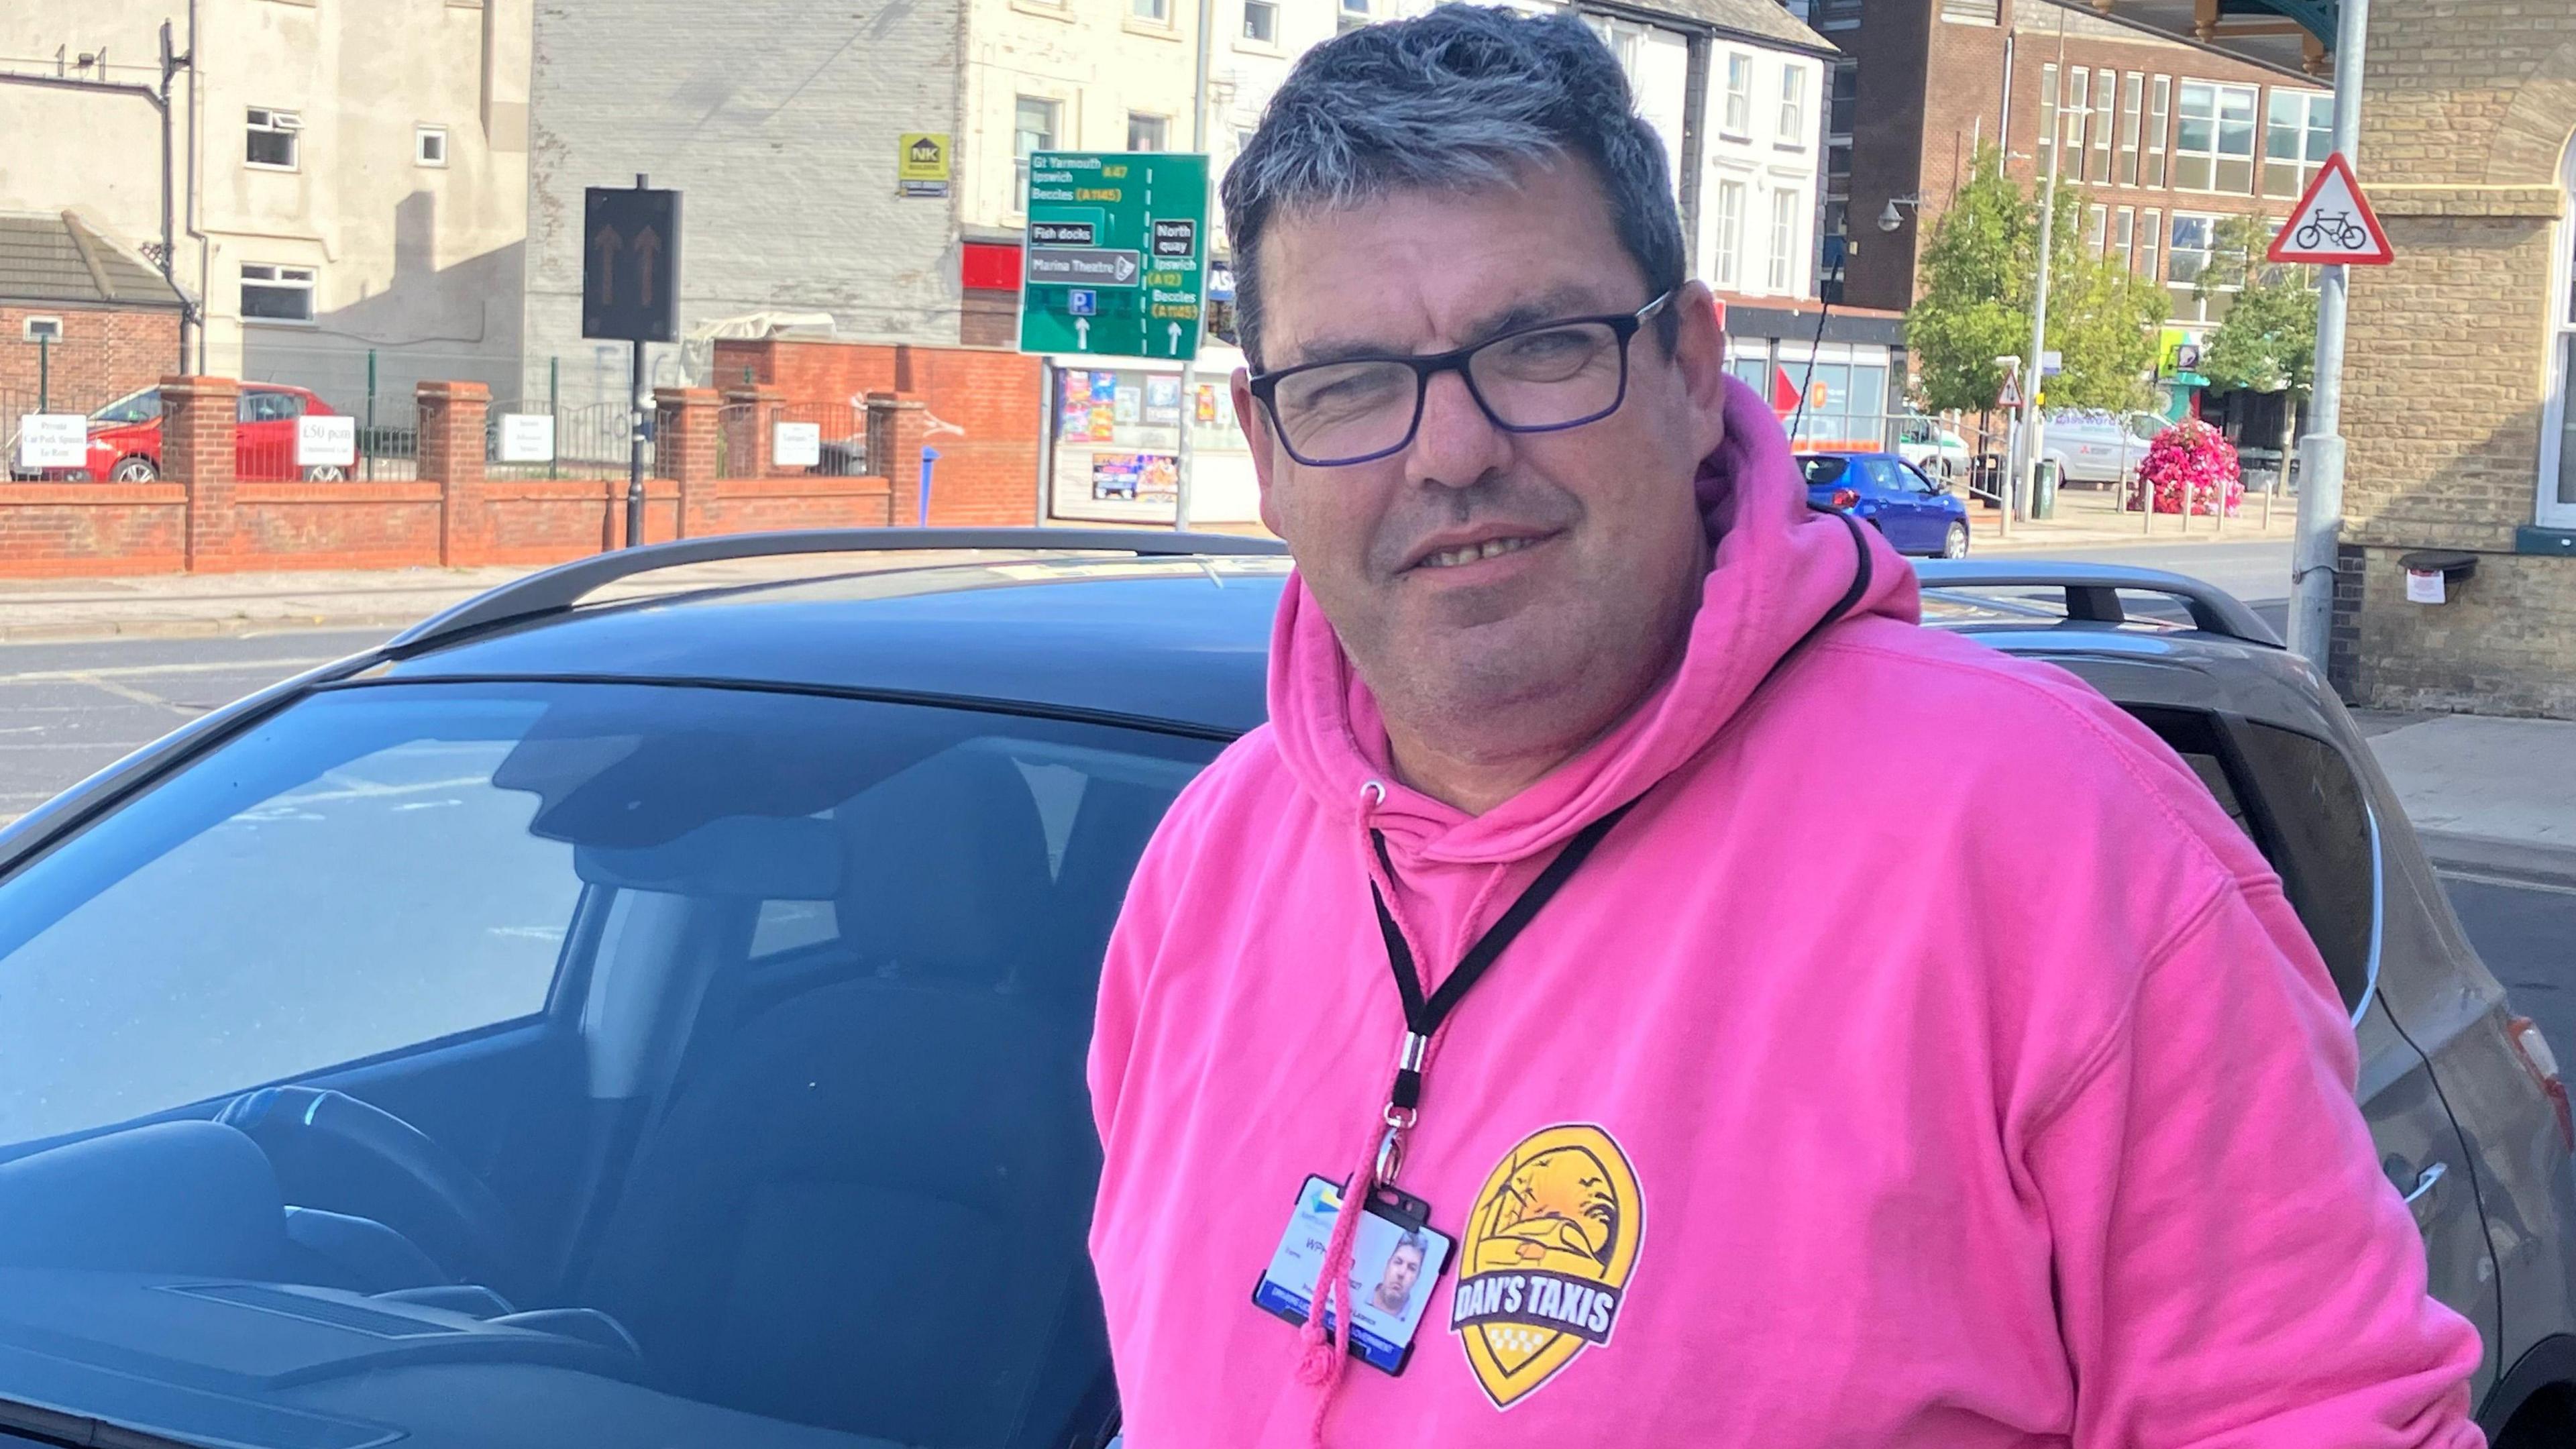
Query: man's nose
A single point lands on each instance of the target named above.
(1456, 445)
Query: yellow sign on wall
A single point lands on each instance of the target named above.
(921, 163)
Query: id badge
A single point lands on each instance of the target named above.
(1395, 1260)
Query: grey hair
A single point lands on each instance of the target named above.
(1464, 96)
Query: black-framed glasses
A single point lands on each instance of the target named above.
(1542, 378)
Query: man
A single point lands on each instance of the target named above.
(1768, 1102)
(1394, 1291)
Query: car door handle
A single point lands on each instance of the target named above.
(2425, 1181)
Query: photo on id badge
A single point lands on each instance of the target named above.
(1395, 1260)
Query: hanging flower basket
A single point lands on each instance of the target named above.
(2190, 460)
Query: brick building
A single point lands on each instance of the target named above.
(83, 319)
(2459, 356)
(2163, 139)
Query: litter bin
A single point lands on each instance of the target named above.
(2043, 489)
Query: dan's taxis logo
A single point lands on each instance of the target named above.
(1546, 1258)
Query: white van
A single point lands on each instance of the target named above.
(2099, 447)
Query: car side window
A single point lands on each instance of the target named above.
(1913, 479)
(1885, 476)
(269, 407)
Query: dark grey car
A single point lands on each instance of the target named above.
(662, 1021)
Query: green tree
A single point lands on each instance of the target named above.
(2267, 342)
(1979, 276)
(2102, 319)
(1976, 287)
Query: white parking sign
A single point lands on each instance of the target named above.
(326, 442)
(52, 440)
(796, 445)
(527, 438)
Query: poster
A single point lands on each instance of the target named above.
(1162, 401)
(1075, 426)
(1135, 477)
(1102, 425)
(1130, 405)
(1206, 409)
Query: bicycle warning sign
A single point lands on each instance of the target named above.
(2333, 223)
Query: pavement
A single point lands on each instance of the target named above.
(2091, 518)
(2486, 794)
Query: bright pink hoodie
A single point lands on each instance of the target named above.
(1869, 1086)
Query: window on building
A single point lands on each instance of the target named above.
(1354, 14)
(2159, 121)
(2124, 229)
(1261, 22)
(1738, 120)
(2133, 92)
(1729, 264)
(1033, 126)
(1784, 240)
(429, 145)
(2105, 93)
(2097, 224)
(1793, 105)
(2076, 112)
(275, 139)
(1157, 11)
(1834, 14)
(272, 293)
(1972, 12)
(2047, 116)
(2214, 139)
(2558, 436)
(1146, 133)
(2151, 234)
(1839, 116)
(41, 329)
(2298, 135)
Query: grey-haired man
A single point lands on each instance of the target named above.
(1534, 900)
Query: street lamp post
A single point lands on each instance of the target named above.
(2034, 374)
(2312, 556)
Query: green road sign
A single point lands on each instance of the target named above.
(1116, 259)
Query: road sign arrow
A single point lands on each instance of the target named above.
(605, 242)
(1082, 333)
(1176, 339)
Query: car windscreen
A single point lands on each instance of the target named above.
(1825, 472)
(134, 407)
(573, 1064)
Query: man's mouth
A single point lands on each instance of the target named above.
(1467, 553)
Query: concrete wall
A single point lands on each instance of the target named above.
(409, 259)
(779, 122)
(2449, 370)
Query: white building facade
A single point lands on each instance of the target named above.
(348, 179)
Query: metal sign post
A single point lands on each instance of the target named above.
(2320, 526)
(630, 291)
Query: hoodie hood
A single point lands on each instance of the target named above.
(1777, 568)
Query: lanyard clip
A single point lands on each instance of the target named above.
(1405, 1095)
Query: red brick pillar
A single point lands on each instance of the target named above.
(895, 427)
(749, 413)
(686, 420)
(197, 418)
(451, 416)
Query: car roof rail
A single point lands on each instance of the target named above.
(559, 588)
(2093, 591)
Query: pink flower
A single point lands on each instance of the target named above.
(2194, 460)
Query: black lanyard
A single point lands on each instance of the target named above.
(1423, 1014)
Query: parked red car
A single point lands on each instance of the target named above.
(125, 437)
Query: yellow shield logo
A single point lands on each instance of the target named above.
(1546, 1258)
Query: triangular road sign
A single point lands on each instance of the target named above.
(2010, 397)
(2333, 223)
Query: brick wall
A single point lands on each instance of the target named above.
(2447, 371)
(104, 353)
(202, 518)
(987, 476)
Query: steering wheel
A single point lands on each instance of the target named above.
(334, 1152)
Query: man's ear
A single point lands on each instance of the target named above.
(1248, 415)
(1699, 353)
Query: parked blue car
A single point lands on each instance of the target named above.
(1918, 515)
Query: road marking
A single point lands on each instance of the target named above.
(129, 692)
(2509, 882)
(146, 671)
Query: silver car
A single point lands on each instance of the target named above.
(2099, 447)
